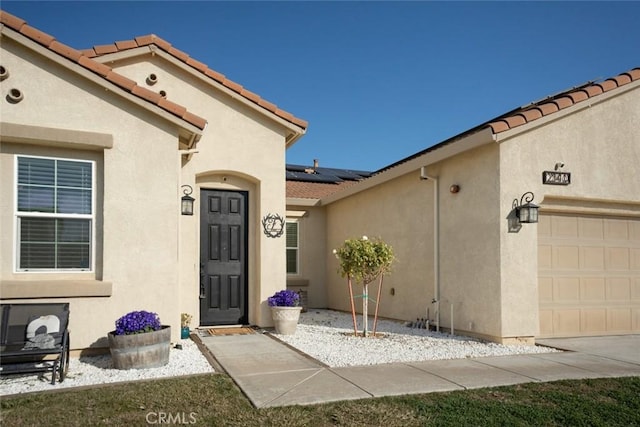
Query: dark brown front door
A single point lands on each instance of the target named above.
(223, 257)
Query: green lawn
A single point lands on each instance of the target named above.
(214, 400)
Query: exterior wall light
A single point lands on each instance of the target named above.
(526, 212)
(187, 200)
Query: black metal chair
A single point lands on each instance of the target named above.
(35, 338)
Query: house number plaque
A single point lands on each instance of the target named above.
(273, 225)
(556, 178)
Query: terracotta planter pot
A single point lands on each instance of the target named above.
(285, 319)
(140, 351)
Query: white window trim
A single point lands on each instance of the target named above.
(297, 247)
(17, 215)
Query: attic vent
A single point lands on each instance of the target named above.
(152, 79)
(14, 96)
(4, 73)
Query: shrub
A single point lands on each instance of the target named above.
(363, 259)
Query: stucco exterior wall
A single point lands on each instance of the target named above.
(311, 275)
(239, 150)
(399, 212)
(469, 244)
(600, 145)
(137, 210)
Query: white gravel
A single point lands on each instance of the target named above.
(99, 370)
(328, 336)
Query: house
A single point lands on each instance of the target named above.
(464, 261)
(99, 146)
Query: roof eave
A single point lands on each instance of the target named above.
(293, 137)
(444, 151)
(299, 201)
(588, 103)
(187, 131)
(294, 132)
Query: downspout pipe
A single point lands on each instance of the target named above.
(436, 242)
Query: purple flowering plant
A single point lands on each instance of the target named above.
(137, 322)
(285, 298)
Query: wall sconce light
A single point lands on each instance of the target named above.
(526, 212)
(187, 200)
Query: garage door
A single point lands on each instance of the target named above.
(589, 275)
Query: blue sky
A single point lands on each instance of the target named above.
(377, 81)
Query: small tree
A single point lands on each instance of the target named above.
(362, 260)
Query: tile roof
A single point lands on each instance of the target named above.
(313, 182)
(536, 110)
(314, 190)
(102, 70)
(152, 39)
(555, 103)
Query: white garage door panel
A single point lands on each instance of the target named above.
(589, 275)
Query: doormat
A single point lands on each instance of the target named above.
(244, 330)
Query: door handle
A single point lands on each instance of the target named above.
(202, 291)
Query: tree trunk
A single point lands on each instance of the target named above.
(365, 311)
(375, 317)
(353, 308)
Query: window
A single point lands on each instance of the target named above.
(292, 247)
(54, 213)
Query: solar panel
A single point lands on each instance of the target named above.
(323, 175)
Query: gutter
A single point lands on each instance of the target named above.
(436, 242)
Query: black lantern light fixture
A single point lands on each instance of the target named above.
(187, 200)
(526, 212)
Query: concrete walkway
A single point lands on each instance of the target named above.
(272, 374)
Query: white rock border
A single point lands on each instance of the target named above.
(327, 336)
(94, 370)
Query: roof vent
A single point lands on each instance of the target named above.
(313, 170)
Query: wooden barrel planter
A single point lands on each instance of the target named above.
(140, 351)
